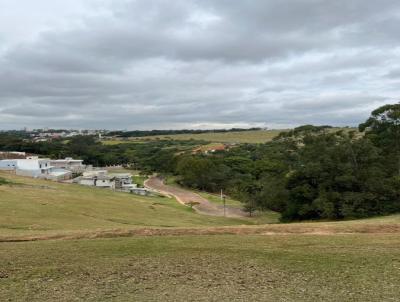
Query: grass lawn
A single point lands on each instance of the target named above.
(33, 207)
(139, 179)
(253, 136)
(217, 200)
(204, 268)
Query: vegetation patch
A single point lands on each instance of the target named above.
(3, 181)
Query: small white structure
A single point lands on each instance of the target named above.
(59, 174)
(141, 191)
(123, 181)
(73, 165)
(99, 178)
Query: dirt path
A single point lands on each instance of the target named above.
(184, 196)
(312, 229)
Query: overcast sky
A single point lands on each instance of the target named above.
(145, 64)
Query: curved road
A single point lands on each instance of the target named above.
(185, 196)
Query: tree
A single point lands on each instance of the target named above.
(196, 172)
(383, 128)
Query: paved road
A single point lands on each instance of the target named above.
(185, 196)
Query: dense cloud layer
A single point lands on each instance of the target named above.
(197, 63)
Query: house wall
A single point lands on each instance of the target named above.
(86, 182)
(28, 173)
(104, 183)
(8, 164)
(72, 165)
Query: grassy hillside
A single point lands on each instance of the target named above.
(252, 137)
(31, 206)
(209, 268)
(326, 261)
(258, 136)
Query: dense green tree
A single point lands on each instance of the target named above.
(383, 128)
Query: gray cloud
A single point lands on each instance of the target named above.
(140, 64)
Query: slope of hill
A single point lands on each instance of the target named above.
(210, 268)
(196, 256)
(32, 207)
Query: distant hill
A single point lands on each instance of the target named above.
(243, 136)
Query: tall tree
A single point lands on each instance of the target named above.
(383, 128)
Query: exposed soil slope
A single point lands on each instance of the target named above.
(185, 197)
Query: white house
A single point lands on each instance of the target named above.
(34, 167)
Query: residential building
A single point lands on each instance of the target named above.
(73, 165)
(35, 167)
(99, 178)
(123, 181)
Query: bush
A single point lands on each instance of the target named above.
(3, 181)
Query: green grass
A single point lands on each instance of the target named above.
(204, 268)
(115, 142)
(139, 179)
(3, 181)
(253, 136)
(214, 198)
(257, 217)
(42, 207)
(326, 264)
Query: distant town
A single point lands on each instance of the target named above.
(46, 134)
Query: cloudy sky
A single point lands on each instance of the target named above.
(145, 64)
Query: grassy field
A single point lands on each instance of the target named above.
(251, 137)
(31, 207)
(257, 136)
(121, 247)
(204, 268)
(257, 217)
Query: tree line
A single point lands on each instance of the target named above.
(311, 172)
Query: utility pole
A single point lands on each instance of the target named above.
(223, 198)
